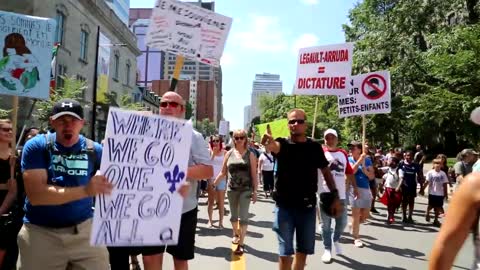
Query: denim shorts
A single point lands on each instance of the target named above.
(295, 221)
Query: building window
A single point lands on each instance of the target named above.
(83, 45)
(127, 74)
(62, 71)
(59, 31)
(116, 65)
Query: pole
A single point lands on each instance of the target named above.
(295, 101)
(176, 72)
(95, 78)
(14, 124)
(315, 117)
(25, 124)
(364, 131)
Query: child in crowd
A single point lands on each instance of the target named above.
(437, 181)
(392, 184)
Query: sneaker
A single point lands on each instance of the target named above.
(405, 220)
(391, 220)
(327, 256)
(338, 248)
(358, 243)
(374, 210)
(427, 217)
(410, 220)
(437, 223)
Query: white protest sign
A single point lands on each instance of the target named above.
(188, 30)
(223, 128)
(146, 159)
(370, 94)
(324, 70)
(27, 44)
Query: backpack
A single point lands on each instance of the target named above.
(89, 150)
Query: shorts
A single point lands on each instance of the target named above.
(435, 201)
(295, 221)
(222, 186)
(185, 249)
(408, 193)
(364, 199)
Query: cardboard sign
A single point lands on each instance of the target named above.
(324, 70)
(370, 94)
(25, 64)
(146, 159)
(188, 30)
(223, 128)
(279, 128)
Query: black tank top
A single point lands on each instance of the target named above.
(4, 177)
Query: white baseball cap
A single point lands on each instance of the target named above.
(330, 131)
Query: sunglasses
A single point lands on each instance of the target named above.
(6, 129)
(296, 121)
(216, 141)
(239, 138)
(171, 104)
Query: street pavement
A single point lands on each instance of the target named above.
(386, 246)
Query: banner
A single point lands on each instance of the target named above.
(26, 44)
(279, 128)
(324, 70)
(370, 94)
(223, 128)
(188, 30)
(146, 159)
(103, 67)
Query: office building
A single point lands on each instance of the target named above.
(246, 117)
(265, 84)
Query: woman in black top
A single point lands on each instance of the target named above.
(8, 193)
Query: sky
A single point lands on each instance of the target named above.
(265, 37)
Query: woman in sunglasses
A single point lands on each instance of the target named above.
(8, 194)
(216, 192)
(240, 167)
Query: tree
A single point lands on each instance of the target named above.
(206, 127)
(72, 89)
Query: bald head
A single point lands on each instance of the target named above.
(172, 104)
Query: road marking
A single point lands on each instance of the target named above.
(238, 262)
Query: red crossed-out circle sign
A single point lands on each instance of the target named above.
(374, 86)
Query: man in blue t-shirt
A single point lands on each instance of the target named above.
(408, 172)
(58, 172)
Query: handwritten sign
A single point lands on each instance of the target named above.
(188, 30)
(146, 159)
(324, 70)
(26, 43)
(370, 94)
(224, 127)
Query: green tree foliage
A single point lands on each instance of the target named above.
(206, 127)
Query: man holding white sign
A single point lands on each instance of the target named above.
(199, 168)
(58, 171)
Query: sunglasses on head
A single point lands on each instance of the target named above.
(172, 104)
(6, 129)
(239, 138)
(296, 121)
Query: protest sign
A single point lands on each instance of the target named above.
(27, 43)
(279, 128)
(188, 30)
(370, 94)
(324, 70)
(223, 128)
(145, 157)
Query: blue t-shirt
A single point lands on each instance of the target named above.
(68, 167)
(409, 173)
(361, 179)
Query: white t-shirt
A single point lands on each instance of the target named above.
(435, 182)
(267, 164)
(391, 178)
(339, 166)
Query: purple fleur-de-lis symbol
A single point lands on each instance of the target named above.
(173, 178)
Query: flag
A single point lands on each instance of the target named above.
(53, 74)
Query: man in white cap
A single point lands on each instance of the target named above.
(341, 169)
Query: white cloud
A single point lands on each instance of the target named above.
(227, 59)
(263, 34)
(309, 2)
(305, 40)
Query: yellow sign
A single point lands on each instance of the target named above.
(279, 128)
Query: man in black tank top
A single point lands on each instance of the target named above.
(299, 159)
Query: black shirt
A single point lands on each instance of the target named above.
(297, 172)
